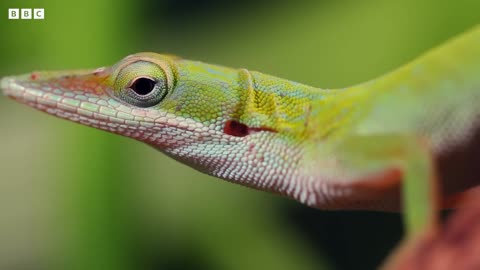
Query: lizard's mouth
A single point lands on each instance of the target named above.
(79, 96)
(84, 97)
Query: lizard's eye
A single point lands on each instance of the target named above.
(144, 92)
(142, 84)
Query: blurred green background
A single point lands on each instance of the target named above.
(73, 197)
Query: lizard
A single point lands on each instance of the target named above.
(397, 142)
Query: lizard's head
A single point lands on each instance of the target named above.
(204, 115)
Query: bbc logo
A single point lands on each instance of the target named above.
(26, 13)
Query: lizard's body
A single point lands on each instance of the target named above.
(345, 148)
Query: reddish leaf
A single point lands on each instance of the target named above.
(454, 245)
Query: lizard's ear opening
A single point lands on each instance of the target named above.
(237, 129)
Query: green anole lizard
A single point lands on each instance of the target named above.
(351, 148)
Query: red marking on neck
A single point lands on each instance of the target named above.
(237, 129)
(33, 76)
(257, 129)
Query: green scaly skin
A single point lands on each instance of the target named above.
(333, 149)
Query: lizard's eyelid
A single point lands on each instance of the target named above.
(144, 98)
(142, 84)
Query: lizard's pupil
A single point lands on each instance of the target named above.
(143, 86)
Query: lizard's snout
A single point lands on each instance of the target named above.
(10, 87)
(4, 85)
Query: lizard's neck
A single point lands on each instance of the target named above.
(279, 104)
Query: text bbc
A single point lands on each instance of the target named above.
(26, 13)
